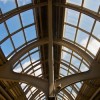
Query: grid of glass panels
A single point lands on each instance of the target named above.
(82, 29)
(79, 28)
(8, 5)
(71, 90)
(29, 63)
(89, 4)
(71, 63)
(28, 90)
(17, 32)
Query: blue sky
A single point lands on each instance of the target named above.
(29, 33)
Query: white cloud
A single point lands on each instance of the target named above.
(17, 69)
(23, 2)
(20, 2)
(84, 42)
(93, 46)
(26, 64)
(5, 1)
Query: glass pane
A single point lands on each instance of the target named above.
(26, 62)
(66, 56)
(72, 17)
(69, 88)
(96, 30)
(63, 72)
(30, 33)
(37, 67)
(23, 2)
(93, 46)
(77, 2)
(82, 38)
(66, 49)
(3, 32)
(92, 5)
(69, 32)
(27, 17)
(86, 22)
(35, 49)
(75, 62)
(18, 39)
(83, 67)
(35, 56)
(74, 93)
(79, 85)
(79, 56)
(7, 5)
(4, 46)
(38, 72)
(17, 68)
(23, 85)
(64, 67)
(13, 24)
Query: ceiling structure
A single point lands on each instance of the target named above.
(49, 49)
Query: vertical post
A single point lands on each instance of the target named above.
(50, 49)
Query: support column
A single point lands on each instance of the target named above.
(50, 49)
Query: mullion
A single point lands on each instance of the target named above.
(78, 22)
(70, 61)
(31, 62)
(15, 32)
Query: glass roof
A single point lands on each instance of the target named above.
(83, 31)
(79, 29)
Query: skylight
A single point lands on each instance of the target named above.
(20, 30)
(83, 31)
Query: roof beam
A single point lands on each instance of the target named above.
(93, 73)
(42, 84)
(17, 77)
(24, 50)
(79, 9)
(31, 6)
(4, 17)
(75, 48)
(50, 50)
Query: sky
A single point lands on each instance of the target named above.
(71, 17)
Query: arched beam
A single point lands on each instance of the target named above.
(93, 73)
(42, 84)
(12, 76)
(31, 6)
(66, 66)
(24, 50)
(75, 48)
(80, 9)
(18, 10)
